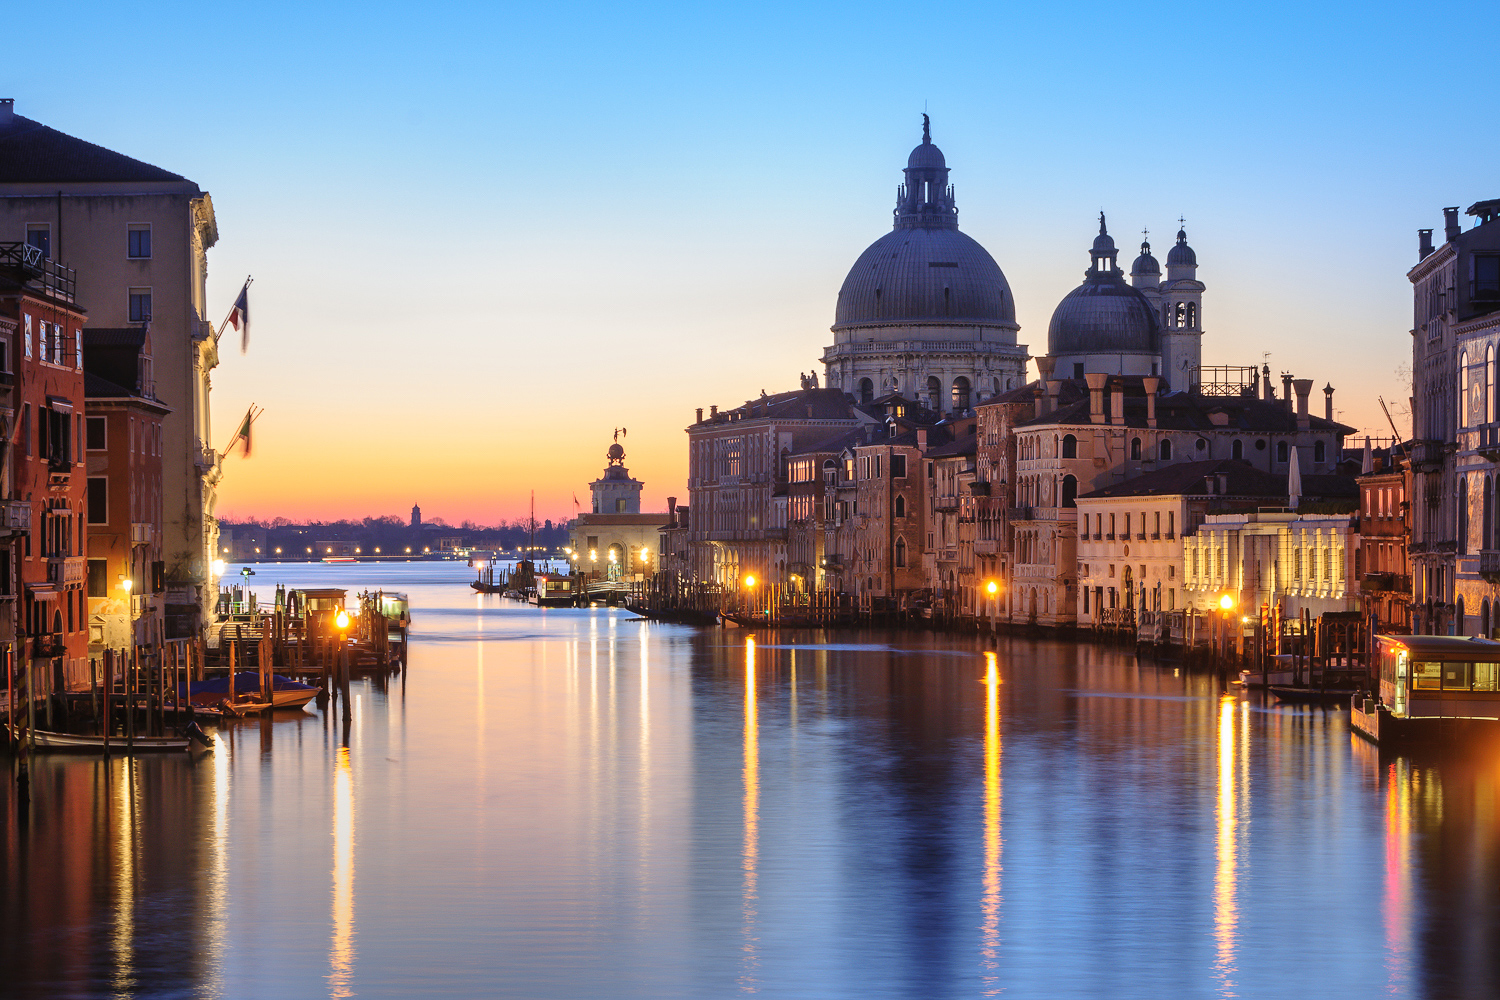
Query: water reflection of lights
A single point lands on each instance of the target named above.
(1399, 788)
(218, 876)
(990, 906)
(751, 857)
(125, 857)
(1226, 851)
(341, 948)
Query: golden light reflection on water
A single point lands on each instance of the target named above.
(1226, 852)
(124, 876)
(1397, 903)
(218, 875)
(750, 965)
(990, 906)
(341, 947)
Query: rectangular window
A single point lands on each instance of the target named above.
(98, 578)
(140, 305)
(138, 239)
(98, 500)
(898, 466)
(1484, 277)
(27, 334)
(39, 235)
(877, 466)
(620, 506)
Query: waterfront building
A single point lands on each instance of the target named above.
(737, 463)
(1382, 563)
(123, 454)
(1111, 429)
(925, 312)
(1455, 556)
(614, 539)
(951, 481)
(1137, 539)
(138, 236)
(889, 532)
(1273, 558)
(41, 335)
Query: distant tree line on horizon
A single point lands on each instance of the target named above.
(392, 534)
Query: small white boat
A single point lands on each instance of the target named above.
(81, 743)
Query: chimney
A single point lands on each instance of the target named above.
(1286, 390)
(1117, 403)
(1152, 384)
(1424, 243)
(7, 111)
(700, 414)
(1328, 402)
(1304, 390)
(922, 440)
(1042, 401)
(1054, 387)
(1451, 230)
(1265, 382)
(1096, 381)
(1045, 367)
(672, 511)
(713, 411)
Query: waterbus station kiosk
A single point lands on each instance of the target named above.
(1429, 685)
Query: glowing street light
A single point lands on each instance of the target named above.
(1226, 602)
(992, 588)
(750, 581)
(218, 567)
(343, 621)
(126, 583)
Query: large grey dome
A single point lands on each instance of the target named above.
(1104, 315)
(921, 274)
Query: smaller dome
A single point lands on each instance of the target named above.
(615, 453)
(926, 157)
(1104, 245)
(1145, 263)
(1182, 255)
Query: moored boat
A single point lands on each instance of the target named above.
(285, 692)
(45, 740)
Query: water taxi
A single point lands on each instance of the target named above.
(1431, 685)
(554, 591)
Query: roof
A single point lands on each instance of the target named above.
(661, 518)
(1187, 411)
(965, 445)
(803, 404)
(31, 152)
(925, 274)
(127, 336)
(1447, 646)
(1241, 480)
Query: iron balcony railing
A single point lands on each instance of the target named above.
(57, 281)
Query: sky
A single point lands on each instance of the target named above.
(483, 237)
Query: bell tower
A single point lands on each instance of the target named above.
(1182, 316)
(615, 492)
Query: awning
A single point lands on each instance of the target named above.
(60, 403)
(41, 591)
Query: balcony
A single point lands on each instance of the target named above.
(1487, 440)
(945, 503)
(1387, 583)
(48, 647)
(1489, 563)
(1018, 513)
(980, 489)
(15, 517)
(64, 570)
(54, 279)
(1427, 456)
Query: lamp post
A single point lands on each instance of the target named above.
(993, 590)
(343, 626)
(1226, 615)
(750, 586)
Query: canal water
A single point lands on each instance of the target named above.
(572, 803)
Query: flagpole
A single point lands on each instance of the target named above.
(251, 416)
(249, 280)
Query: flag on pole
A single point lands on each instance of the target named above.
(239, 318)
(243, 434)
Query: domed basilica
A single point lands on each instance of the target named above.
(927, 314)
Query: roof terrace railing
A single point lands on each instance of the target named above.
(55, 279)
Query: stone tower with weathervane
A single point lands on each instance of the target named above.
(616, 492)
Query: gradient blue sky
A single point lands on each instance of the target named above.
(484, 237)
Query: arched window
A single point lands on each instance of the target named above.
(1484, 618)
(1488, 539)
(866, 390)
(1281, 451)
(1489, 384)
(1320, 452)
(1463, 388)
(1179, 314)
(1135, 449)
(1202, 445)
(1237, 448)
(1069, 446)
(960, 394)
(900, 506)
(1463, 515)
(1192, 314)
(1460, 627)
(1069, 491)
(1166, 450)
(900, 552)
(934, 390)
